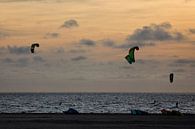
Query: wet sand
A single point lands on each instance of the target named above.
(95, 121)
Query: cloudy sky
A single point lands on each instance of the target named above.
(83, 44)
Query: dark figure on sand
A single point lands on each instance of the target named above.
(154, 102)
(177, 104)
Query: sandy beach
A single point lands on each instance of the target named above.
(95, 121)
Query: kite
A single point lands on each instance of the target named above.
(171, 77)
(131, 57)
(33, 47)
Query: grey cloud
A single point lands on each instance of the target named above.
(23, 61)
(7, 60)
(2, 50)
(87, 42)
(185, 61)
(79, 58)
(155, 32)
(192, 31)
(178, 36)
(147, 36)
(179, 70)
(192, 65)
(132, 44)
(3, 35)
(38, 59)
(52, 35)
(147, 61)
(126, 67)
(20, 62)
(18, 50)
(70, 24)
(113, 44)
(77, 51)
(108, 43)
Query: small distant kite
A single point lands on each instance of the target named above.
(171, 76)
(131, 57)
(33, 47)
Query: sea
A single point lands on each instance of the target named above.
(96, 102)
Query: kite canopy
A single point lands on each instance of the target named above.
(33, 47)
(131, 57)
(171, 77)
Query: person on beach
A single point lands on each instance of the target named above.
(177, 103)
(154, 102)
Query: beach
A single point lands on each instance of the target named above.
(94, 121)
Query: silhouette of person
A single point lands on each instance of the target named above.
(177, 104)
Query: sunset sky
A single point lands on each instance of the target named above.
(83, 44)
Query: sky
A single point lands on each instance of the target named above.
(83, 44)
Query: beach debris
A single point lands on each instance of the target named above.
(138, 112)
(170, 112)
(33, 47)
(171, 77)
(131, 57)
(71, 111)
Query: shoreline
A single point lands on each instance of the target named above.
(95, 121)
(149, 114)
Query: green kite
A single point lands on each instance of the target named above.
(131, 57)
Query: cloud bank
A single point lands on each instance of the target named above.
(18, 50)
(148, 36)
(70, 24)
(79, 58)
(87, 42)
(155, 32)
(192, 31)
(52, 35)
